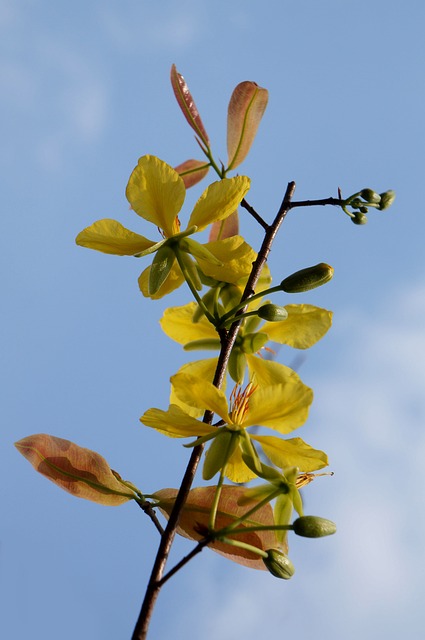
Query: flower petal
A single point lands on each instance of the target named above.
(266, 372)
(173, 281)
(204, 369)
(177, 323)
(109, 236)
(218, 201)
(303, 327)
(156, 192)
(292, 453)
(175, 423)
(197, 392)
(236, 257)
(283, 407)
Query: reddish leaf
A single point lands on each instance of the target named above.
(82, 472)
(222, 229)
(246, 108)
(192, 171)
(195, 516)
(188, 106)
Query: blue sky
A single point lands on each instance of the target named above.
(85, 92)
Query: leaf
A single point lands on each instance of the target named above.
(192, 171)
(194, 520)
(187, 105)
(246, 108)
(227, 228)
(82, 472)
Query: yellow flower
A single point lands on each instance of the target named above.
(156, 193)
(282, 406)
(304, 326)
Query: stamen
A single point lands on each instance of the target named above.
(239, 402)
(305, 478)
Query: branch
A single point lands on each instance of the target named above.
(227, 341)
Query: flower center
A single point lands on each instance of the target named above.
(239, 402)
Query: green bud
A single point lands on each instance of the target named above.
(237, 365)
(307, 279)
(272, 312)
(279, 564)
(359, 218)
(253, 342)
(387, 198)
(313, 527)
(370, 196)
(230, 296)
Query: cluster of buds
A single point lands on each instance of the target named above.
(361, 201)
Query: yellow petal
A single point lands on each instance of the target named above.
(236, 257)
(236, 469)
(283, 407)
(218, 201)
(177, 323)
(197, 392)
(266, 372)
(204, 369)
(109, 236)
(156, 192)
(174, 280)
(304, 326)
(292, 453)
(175, 423)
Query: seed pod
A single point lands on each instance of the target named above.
(307, 279)
(313, 527)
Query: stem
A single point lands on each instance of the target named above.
(227, 342)
(246, 515)
(192, 287)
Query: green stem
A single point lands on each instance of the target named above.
(245, 545)
(192, 287)
(230, 315)
(249, 513)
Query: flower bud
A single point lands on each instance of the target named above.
(272, 312)
(313, 527)
(307, 279)
(253, 342)
(279, 564)
(370, 196)
(387, 199)
(359, 218)
(237, 365)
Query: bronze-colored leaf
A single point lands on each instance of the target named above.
(192, 171)
(246, 108)
(194, 519)
(187, 105)
(82, 472)
(221, 229)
